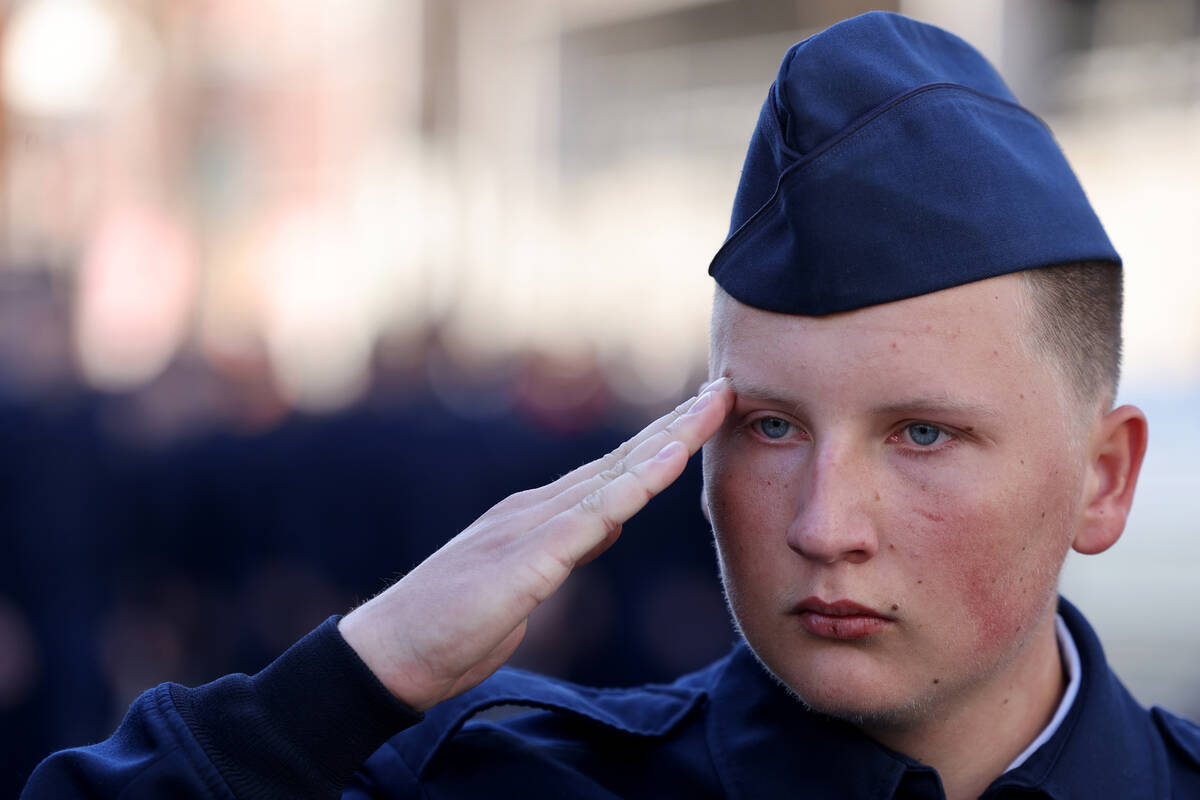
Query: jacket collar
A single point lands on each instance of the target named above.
(766, 744)
(1105, 746)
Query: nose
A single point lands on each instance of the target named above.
(834, 521)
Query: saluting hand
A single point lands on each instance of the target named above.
(456, 618)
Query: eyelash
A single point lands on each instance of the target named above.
(911, 449)
(915, 450)
(757, 425)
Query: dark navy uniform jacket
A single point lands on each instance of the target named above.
(316, 723)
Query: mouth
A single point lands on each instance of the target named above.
(840, 619)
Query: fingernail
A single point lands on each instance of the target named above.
(701, 401)
(668, 451)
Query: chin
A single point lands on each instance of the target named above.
(869, 715)
(844, 692)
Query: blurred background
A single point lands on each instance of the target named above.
(290, 292)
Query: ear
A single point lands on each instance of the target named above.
(704, 504)
(1115, 452)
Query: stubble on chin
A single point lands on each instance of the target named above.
(910, 711)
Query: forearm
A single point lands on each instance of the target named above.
(299, 728)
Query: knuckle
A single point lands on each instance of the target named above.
(521, 498)
(503, 507)
(513, 502)
(643, 479)
(677, 419)
(622, 450)
(674, 417)
(615, 471)
(594, 504)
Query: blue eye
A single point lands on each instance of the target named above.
(774, 427)
(922, 433)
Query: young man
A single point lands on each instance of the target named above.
(914, 351)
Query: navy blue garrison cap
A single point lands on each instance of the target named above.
(890, 160)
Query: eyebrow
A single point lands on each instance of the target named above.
(917, 404)
(936, 403)
(763, 393)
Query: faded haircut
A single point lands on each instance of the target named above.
(1075, 321)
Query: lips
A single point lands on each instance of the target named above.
(840, 619)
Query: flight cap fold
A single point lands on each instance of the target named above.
(890, 160)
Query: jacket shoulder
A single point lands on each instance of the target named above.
(517, 727)
(645, 711)
(1183, 734)
(1181, 741)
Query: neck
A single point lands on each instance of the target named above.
(1004, 714)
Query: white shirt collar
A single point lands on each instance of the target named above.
(1070, 657)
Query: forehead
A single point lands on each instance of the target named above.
(956, 342)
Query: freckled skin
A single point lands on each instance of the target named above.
(963, 542)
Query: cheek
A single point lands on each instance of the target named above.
(992, 557)
(744, 492)
(740, 516)
(721, 495)
(748, 507)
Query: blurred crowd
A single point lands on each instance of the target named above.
(197, 527)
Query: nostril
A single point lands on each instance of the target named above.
(857, 556)
(826, 541)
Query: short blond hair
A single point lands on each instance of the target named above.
(1075, 320)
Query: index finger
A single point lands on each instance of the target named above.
(593, 468)
(690, 430)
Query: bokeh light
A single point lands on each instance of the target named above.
(65, 58)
